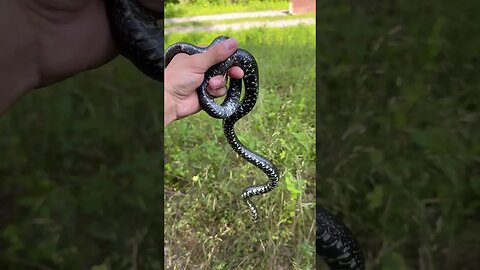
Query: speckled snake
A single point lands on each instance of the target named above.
(140, 39)
(233, 109)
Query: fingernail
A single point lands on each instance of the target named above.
(230, 44)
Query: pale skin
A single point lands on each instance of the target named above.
(185, 73)
(47, 41)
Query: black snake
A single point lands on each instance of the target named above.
(336, 244)
(141, 39)
(232, 109)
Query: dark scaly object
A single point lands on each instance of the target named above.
(233, 109)
(138, 35)
(141, 39)
(336, 244)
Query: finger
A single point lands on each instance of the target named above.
(236, 73)
(217, 92)
(217, 53)
(217, 82)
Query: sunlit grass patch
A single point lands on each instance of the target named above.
(207, 8)
(207, 224)
(241, 20)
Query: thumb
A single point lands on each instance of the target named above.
(217, 53)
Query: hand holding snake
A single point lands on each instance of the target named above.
(186, 72)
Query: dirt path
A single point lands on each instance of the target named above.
(238, 26)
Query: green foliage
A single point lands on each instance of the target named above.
(399, 140)
(184, 8)
(81, 174)
(99, 267)
(207, 224)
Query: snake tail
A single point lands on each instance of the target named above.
(258, 161)
(248, 63)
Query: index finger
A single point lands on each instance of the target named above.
(236, 72)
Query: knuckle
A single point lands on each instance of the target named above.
(218, 50)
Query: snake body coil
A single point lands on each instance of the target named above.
(141, 39)
(233, 109)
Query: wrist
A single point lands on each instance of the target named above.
(18, 60)
(170, 106)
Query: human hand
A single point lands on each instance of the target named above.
(51, 41)
(186, 72)
(75, 36)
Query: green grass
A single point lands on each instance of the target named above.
(207, 224)
(206, 8)
(399, 140)
(81, 174)
(241, 20)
